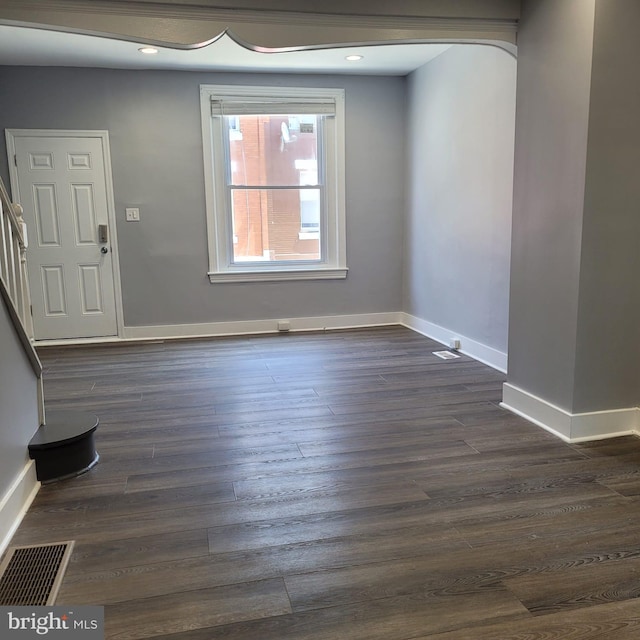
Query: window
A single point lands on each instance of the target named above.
(274, 177)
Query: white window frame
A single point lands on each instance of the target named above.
(333, 264)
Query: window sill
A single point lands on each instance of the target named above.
(308, 235)
(339, 273)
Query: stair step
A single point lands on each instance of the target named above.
(64, 447)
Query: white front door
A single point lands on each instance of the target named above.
(62, 184)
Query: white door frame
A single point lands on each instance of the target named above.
(12, 134)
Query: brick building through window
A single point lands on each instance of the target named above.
(274, 169)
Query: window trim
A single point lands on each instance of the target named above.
(221, 266)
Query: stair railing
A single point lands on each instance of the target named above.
(14, 282)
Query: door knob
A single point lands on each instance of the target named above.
(104, 250)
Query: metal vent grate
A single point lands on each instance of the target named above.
(445, 355)
(31, 576)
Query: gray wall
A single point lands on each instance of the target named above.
(18, 404)
(554, 73)
(153, 119)
(607, 371)
(459, 132)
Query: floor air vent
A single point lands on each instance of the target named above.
(446, 355)
(31, 576)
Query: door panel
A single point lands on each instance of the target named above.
(91, 288)
(84, 214)
(62, 187)
(46, 214)
(55, 297)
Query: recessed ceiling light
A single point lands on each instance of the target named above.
(148, 50)
(354, 58)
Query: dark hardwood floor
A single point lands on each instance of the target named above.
(340, 486)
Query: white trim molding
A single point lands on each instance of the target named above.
(248, 327)
(275, 275)
(15, 502)
(470, 347)
(218, 101)
(274, 26)
(571, 427)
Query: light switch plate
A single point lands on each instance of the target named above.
(132, 214)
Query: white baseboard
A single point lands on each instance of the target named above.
(472, 348)
(248, 327)
(571, 427)
(16, 501)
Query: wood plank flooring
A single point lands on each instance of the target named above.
(347, 485)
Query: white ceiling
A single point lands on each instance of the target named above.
(27, 46)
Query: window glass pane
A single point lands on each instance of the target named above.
(269, 225)
(269, 150)
(309, 210)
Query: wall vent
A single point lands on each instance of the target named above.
(31, 576)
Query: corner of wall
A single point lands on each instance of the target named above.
(16, 501)
(472, 348)
(571, 427)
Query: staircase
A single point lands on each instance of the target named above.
(14, 283)
(62, 445)
(21, 389)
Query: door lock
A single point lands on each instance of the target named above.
(103, 233)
